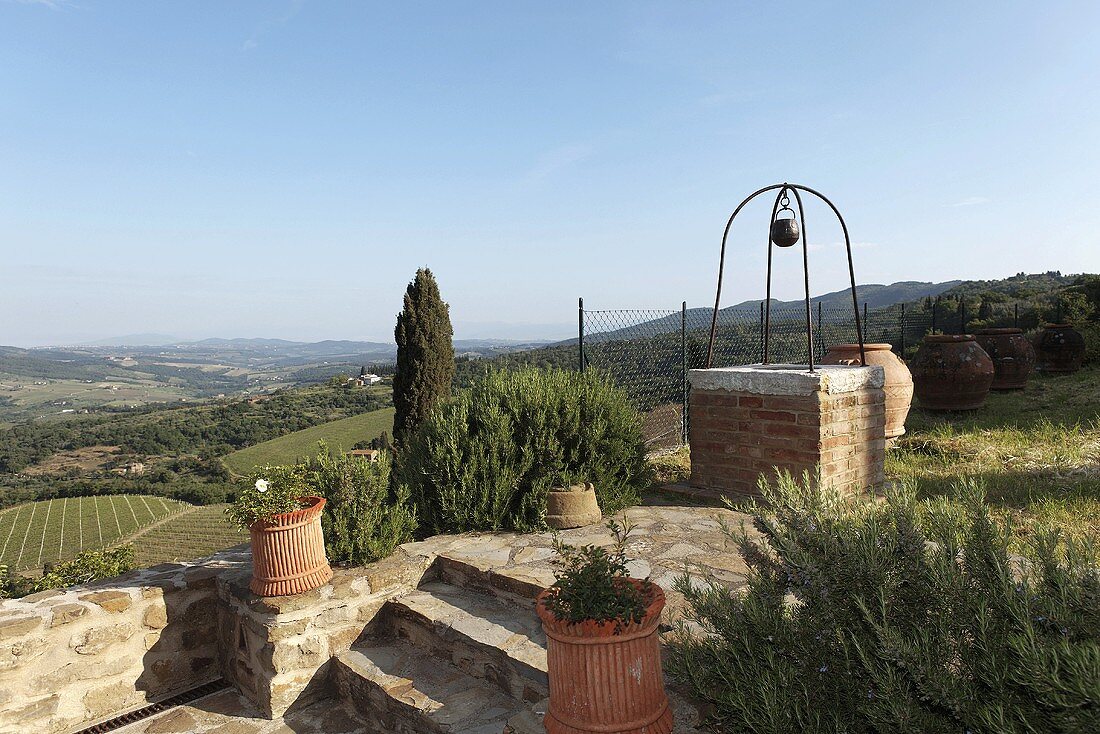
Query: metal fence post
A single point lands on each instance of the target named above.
(962, 315)
(580, 333)
(901, 337)
(935, 307)
(866, 323)
(1016, 316)
(684, 372)
(761, 331)
(821, 341)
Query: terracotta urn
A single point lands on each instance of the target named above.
(951, 372)
(1059, 349)
(604, 676)
(1012, 354)
(572, 507)
(288, 552)
(899, 381)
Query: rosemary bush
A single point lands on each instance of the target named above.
(485, 460)
(895, 617)
(362, 521)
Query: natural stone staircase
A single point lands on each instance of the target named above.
(464, 653)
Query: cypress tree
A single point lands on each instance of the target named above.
(425, 355)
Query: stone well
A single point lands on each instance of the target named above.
(749, 421)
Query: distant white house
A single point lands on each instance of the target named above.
(364, 379)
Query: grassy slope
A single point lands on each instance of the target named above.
(1036, 451)
(286, 449)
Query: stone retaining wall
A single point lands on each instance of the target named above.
(277, 651)
(71, 657)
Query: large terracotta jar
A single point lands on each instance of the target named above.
(1060, 349)
(1012, 354)
(899, 381)
(288, 552)
(951, 372)
(605, 677)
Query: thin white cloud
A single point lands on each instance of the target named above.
(972, 201)
(51, 4)
(266, 25)
(556, 160)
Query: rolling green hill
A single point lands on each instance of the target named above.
(343, 433)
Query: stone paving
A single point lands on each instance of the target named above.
(228, 713)
(665, 542)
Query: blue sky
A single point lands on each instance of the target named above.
(282, 168)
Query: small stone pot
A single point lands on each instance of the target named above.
(605, 677)
(899, 381)
(1060, 349)
(951, 372)
(288, 552)
(1012, 354)
(572, 507)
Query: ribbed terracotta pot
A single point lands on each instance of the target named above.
(288, 553)
(603, 679)
(899, 381)
(1060, 349)
(951, 372)
(1012, 354)
(572, 507)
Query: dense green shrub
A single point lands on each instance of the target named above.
(853, 621)
(485, 460)
(362, 521)
(87, 567)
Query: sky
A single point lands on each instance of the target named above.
(282, 168)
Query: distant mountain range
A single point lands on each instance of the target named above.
(286, 348)
(873, 294)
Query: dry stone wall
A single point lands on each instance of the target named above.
(72, 657)
(277, 651)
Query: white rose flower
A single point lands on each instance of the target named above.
(261, 485)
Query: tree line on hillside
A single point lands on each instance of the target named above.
(184, 443)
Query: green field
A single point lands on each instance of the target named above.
(194, 533)
(54, 530)
(343, 433)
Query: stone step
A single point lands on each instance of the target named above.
(519, 585)
(485, 636)
(395, 687)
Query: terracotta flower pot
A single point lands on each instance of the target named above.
(951, 372)
(288, 553)
(1012, 354)
(1060, 349)
(572, 507)
(604, 679)
(899, 381)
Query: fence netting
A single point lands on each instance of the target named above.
(647, 352)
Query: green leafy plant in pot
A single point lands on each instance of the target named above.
(602, 655)
(284, 523)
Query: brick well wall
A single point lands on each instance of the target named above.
(737, 435)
